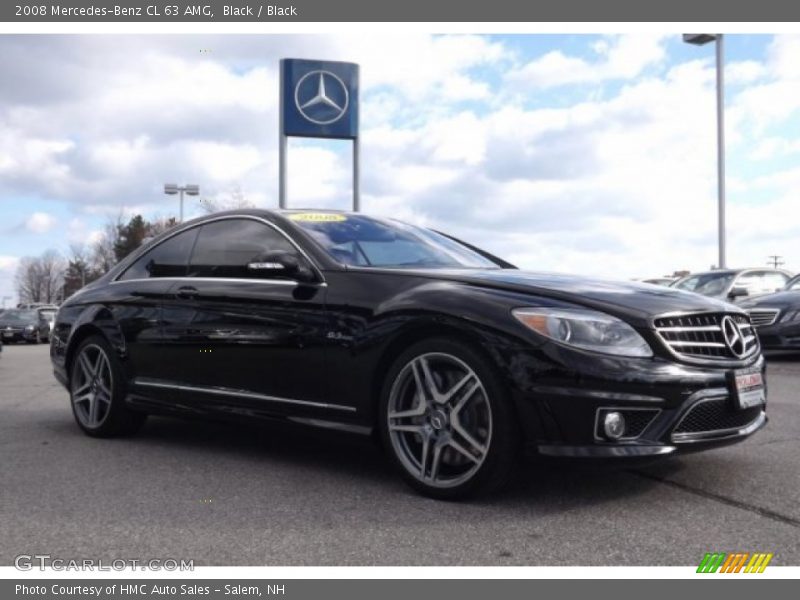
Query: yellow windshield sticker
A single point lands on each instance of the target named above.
(317, 217)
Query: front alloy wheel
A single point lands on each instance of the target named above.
(441, 417)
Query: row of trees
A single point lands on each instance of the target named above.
(51, 277)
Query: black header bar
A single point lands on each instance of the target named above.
(254, 11)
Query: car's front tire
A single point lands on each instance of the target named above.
(447, 422)
(97, 391)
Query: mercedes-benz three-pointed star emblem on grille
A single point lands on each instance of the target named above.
(733, 337)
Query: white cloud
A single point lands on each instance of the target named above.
(40, 222)
(744, 72)
(618, 57)
(617, 182)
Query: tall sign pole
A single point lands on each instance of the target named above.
(318, 99)
(281, 149)
(720, 52)
(700, 39)
(356, 175)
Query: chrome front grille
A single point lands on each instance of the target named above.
(763, 316)
(700, 336)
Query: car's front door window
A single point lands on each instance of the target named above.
(226, 249)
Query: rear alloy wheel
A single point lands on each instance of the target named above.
(97, 392)
(446, 421)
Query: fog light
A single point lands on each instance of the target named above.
(614, 425)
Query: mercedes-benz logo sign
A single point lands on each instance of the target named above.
(321, 97)
(733, 336)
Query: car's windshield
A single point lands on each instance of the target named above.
(362, 241)
(18, 316)
(708, 284)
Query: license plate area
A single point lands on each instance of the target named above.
(747, 388)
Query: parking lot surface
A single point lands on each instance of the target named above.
(223, 494)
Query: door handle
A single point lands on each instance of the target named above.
(187, 292)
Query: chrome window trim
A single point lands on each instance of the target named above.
(238, 394)
(183, 229)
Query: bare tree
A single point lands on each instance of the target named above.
(103, 255)
(235, 199)
(40, 279)
(52, 267)
(160, 225)
(27, 280)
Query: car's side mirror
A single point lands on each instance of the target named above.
(739, 292)
(280, 264)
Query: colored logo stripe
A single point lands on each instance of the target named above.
(758, 563)
(711, 562)
(735, 562)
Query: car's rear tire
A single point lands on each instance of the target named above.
(457, 438)
(97, 391)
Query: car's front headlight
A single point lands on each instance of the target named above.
(29, 328)
(790, 315)
(585, 329)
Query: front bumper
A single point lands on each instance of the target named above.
(680, 442)
(669, 407)
(17, 335)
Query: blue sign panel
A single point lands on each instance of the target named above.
(319, 98)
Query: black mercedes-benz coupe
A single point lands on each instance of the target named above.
(456, 360)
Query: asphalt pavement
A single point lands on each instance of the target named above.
(223, 494)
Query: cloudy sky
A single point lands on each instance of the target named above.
(576, 153)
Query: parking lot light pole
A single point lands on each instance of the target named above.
(173, 188)
(700, 39)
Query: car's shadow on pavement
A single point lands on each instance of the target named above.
(360, 462)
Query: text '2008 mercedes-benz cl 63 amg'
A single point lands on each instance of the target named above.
(456, 360)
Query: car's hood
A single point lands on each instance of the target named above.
(777, 300)
(633, 301)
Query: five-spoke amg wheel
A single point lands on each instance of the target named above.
(97, 391)
(446, 421)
